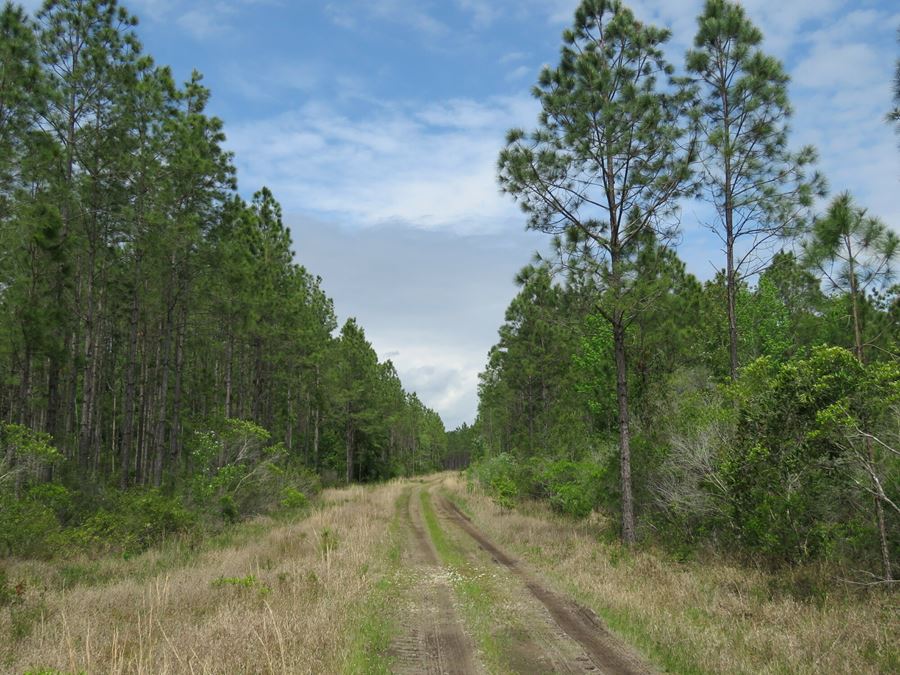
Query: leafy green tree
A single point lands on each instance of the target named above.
(604, 168)
(854, 252)
(759, 189)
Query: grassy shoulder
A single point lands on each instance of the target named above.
(701, 616)
(376, 619)
(269, 595)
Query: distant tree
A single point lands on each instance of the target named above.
(760, 190)
(604, 168)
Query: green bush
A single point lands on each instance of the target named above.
(27, 527)
(240, 474)
(497, 475)
(574, 488)
(795, 473)
(132, 521)
(57, 498)
(292, 498)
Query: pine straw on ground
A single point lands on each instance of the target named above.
(707, 616)
(282, 602)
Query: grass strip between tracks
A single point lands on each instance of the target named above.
(474, 591)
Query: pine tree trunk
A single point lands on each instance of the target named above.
(316, 425)
(175, 435)
(316, 439)
(25, 387)
(87, 402)
(162, 399)
(229, 357)
(628, 533)
(731, 290)
(730, 272)
(289, 431)
(71, 402)
(50, 423)
(128, 403)
(349, 440)
(854, 303)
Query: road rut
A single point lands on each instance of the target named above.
(432, 640)
(605, 653)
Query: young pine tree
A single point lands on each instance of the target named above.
(759, 189)
(604, 167)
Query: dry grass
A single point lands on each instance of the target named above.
(283, 602)
(692, 617)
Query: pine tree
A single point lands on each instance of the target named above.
(604, 168)
(20, 82)
(855, 252)
(759, 189)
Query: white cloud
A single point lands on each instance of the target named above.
(519, 73)
(837, 66)
(512, 57)
(484, 12)
(202, 24)
(432, 168)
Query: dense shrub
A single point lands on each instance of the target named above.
(776, 466)
(27, 527)
(572, 488)
(497, 476)
(133, 521)
(798, 472)
(240, 473)
(237, 473)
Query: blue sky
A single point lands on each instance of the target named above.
(378, 122)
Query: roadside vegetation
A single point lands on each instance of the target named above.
(167, 367)
(298, 595)
(753, 416)
(702, 614)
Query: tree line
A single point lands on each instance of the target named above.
(143, 302)
(757, 410)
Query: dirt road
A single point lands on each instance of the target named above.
(432, 638)
(472, 608)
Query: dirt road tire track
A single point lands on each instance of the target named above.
(432, 639)
(606, 651)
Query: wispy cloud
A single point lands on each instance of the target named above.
(519, 73)
(357, 14)
(432, 167)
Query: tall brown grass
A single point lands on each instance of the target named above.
(700, 616)
(280, 603)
